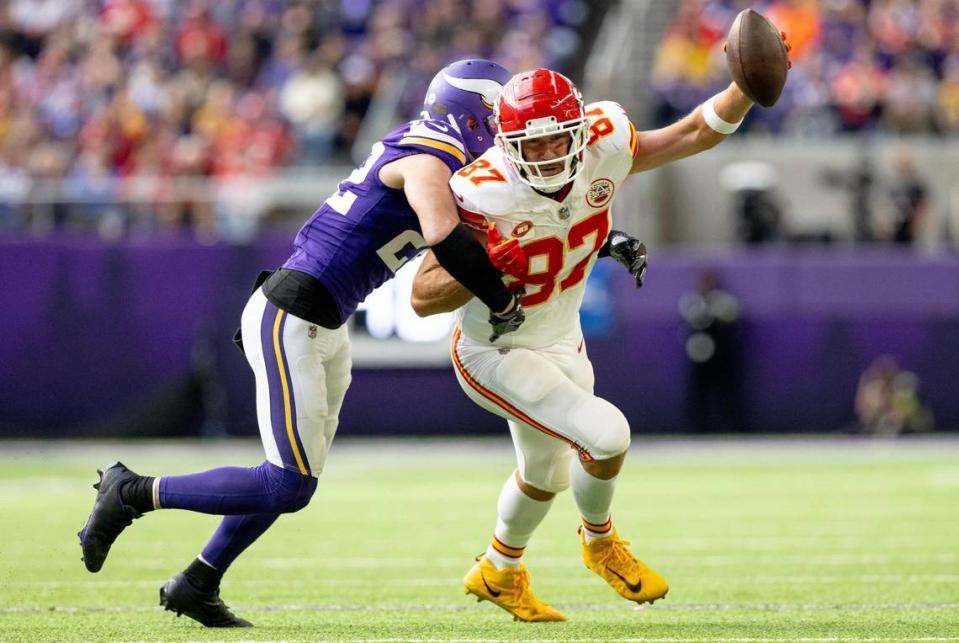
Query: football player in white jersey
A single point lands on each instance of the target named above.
(542, 197)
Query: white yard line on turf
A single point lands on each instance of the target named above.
(712, 560)
(445, 581)
(573, 562)
(826, 639)
(419, 607)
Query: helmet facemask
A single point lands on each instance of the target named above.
(530, 172)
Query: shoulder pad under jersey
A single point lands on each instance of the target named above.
(437, 138)
(610, 130)
(482, 190)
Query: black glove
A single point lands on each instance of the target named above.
(508, 321)
(630, 252)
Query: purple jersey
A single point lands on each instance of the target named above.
(365, 232)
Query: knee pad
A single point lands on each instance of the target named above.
(290, 491)
(305, 491)
(605, 428)
(543, 460)
(548, 472)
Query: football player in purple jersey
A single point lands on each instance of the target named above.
(292, 332)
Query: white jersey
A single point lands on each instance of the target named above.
(561, 238)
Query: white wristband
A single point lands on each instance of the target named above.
(715, 122)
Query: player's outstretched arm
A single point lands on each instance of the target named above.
(695, 132)
(758, 61)
(435, 291)
(425, 181)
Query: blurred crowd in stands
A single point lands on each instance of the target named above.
(858, 65)
(111, 100)
(125, 115)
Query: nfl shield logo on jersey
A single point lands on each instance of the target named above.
(600, 192)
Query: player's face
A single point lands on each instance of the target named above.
(545, 148)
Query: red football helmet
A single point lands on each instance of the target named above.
(539, 103)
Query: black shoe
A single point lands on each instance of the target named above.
(108, 518)
(183, 596)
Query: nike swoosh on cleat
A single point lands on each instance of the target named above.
(492, 592)
(633, 587)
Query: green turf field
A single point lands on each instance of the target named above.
(776, 540)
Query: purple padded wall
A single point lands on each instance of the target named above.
(134, 338)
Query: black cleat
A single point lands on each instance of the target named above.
(108, 518)
(183, 596)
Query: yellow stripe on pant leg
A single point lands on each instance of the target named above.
(287, 407)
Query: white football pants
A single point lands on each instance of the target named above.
(302, 372)
(546, 395)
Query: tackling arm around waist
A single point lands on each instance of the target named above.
(434, 289)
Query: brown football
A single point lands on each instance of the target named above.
(756, 56)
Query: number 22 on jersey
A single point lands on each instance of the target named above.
(554, 251)
(343, 199)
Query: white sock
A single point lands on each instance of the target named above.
(519, 516)
(593, 497)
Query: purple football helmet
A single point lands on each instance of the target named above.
(463, 94)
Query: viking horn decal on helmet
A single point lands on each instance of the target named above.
(462, 94)
(487, 89)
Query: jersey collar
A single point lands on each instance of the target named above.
(559, 195)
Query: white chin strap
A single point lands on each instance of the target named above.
(530, 172)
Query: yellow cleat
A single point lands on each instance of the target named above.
(630, 577)
(510, 589)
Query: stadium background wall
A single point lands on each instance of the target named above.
(133, 339)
